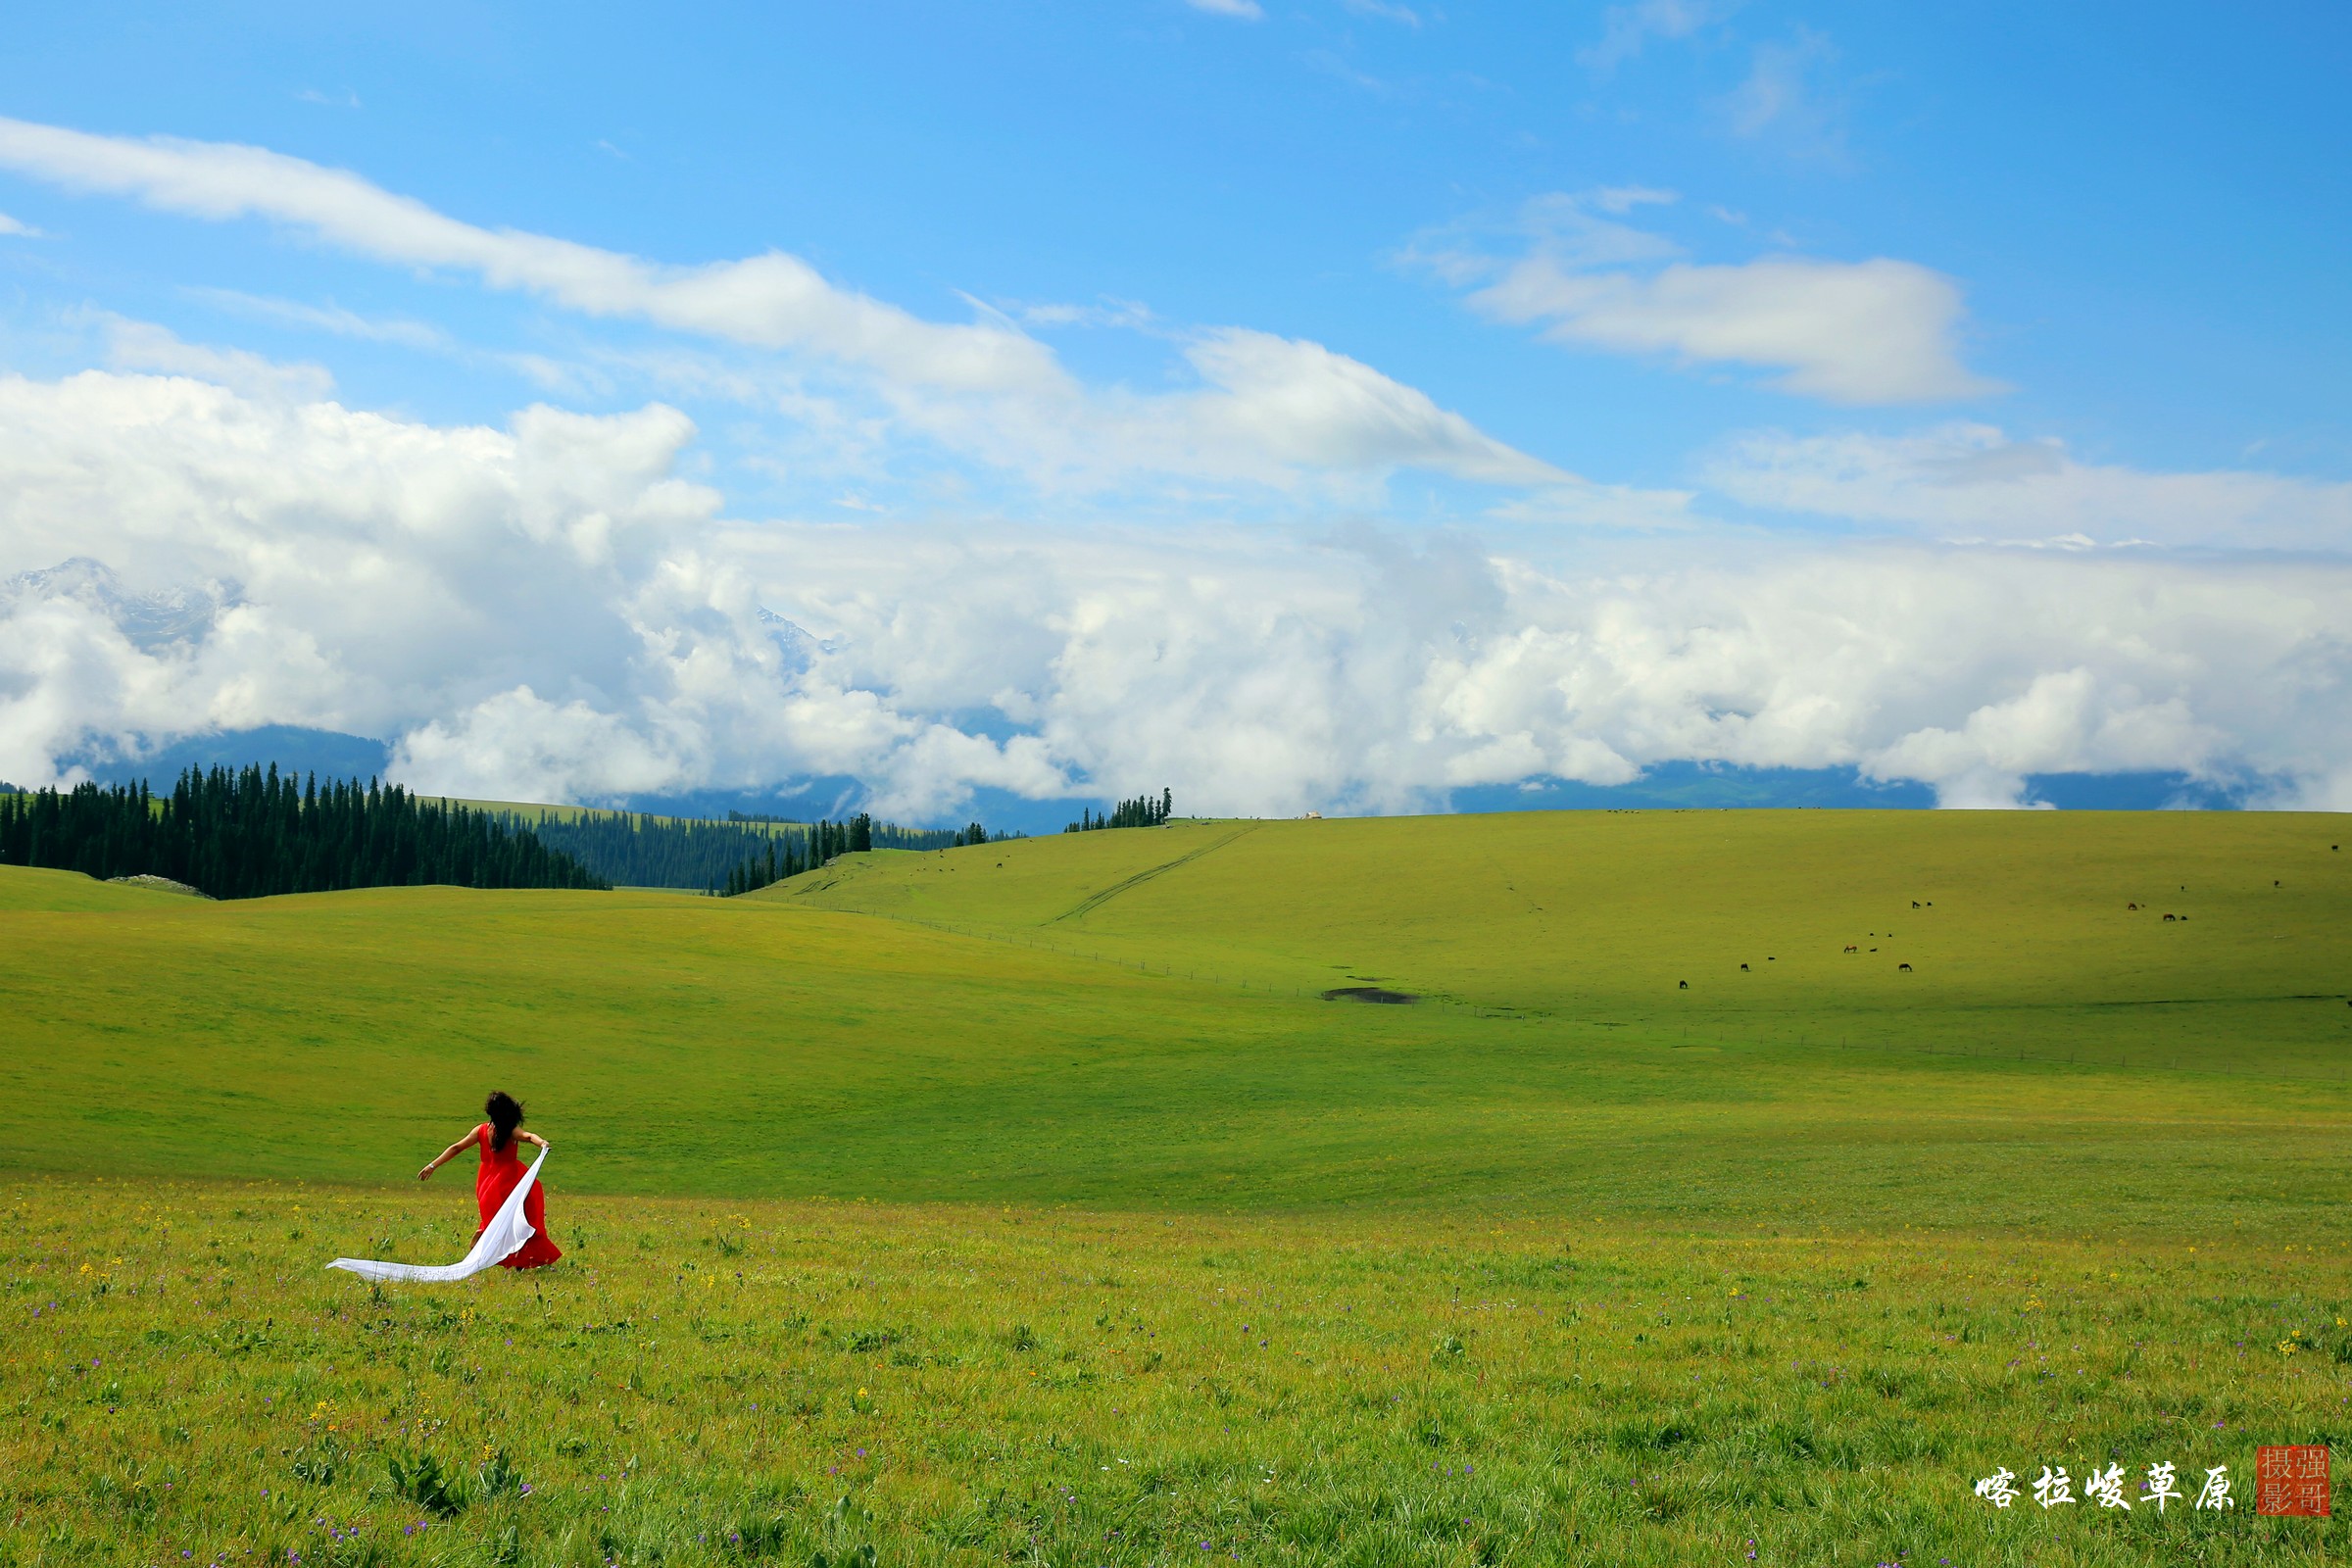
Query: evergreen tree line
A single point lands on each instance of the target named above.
(1142, 812)
(804, 852)
(823, 841)
(631, 850)
(255, 832)
(251, 834)
(889, 835)
(742, 853)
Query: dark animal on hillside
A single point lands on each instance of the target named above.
(1904, 968)
(1850, 948)
(2171, 917)
(1744, 969)
(1915, 903)
(2130, 905)
(1682, 985)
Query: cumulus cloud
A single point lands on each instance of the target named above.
(1268, 407)
(548, 610)
(1366, 671)
(1878, 331)
(1972, 482)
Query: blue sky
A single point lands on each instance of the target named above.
(1337, 404)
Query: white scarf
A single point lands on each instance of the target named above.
(500, 1239)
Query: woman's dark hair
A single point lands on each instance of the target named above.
(505, 1115)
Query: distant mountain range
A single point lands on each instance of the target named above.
(1667, 786)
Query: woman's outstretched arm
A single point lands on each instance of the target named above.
(445, 1156)
(523, 1137)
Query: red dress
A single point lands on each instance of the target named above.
(501, 1170)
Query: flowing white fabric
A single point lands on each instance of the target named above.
(500, 1239)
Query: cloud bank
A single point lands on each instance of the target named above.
(549, 610)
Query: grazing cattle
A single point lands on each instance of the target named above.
(1744, 969)
(1904, 968)
(1850, 948)
(1915, 903)
(2171, 917)
(1683, 985)
(2130, 905)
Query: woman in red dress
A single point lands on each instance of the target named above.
(500, 1170)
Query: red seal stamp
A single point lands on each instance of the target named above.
(2291, 1478)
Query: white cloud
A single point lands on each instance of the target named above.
(1109, 313)
(1618, 200)
(548, 374)
(22, 230)
(1247, 10)
(1628, 29)
(145, 346)
(332, 318)
(1784, 99)
(549, 609)
(1878, 331)
(2063, 720)
(1307, 406)
(1972, 482)
(1386, 9)
(1608, 507)
(985, 389)
(772, 301)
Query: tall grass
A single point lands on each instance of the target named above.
(788, 1382)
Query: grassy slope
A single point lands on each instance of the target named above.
(1599, 915)
(776, 1045)
(1531, 1288)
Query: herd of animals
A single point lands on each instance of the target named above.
(1916, 904)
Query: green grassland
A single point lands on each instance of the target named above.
(2017, 926)
(976, 1159)
(718, 1382)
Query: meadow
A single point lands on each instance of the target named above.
(1027, 1202)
